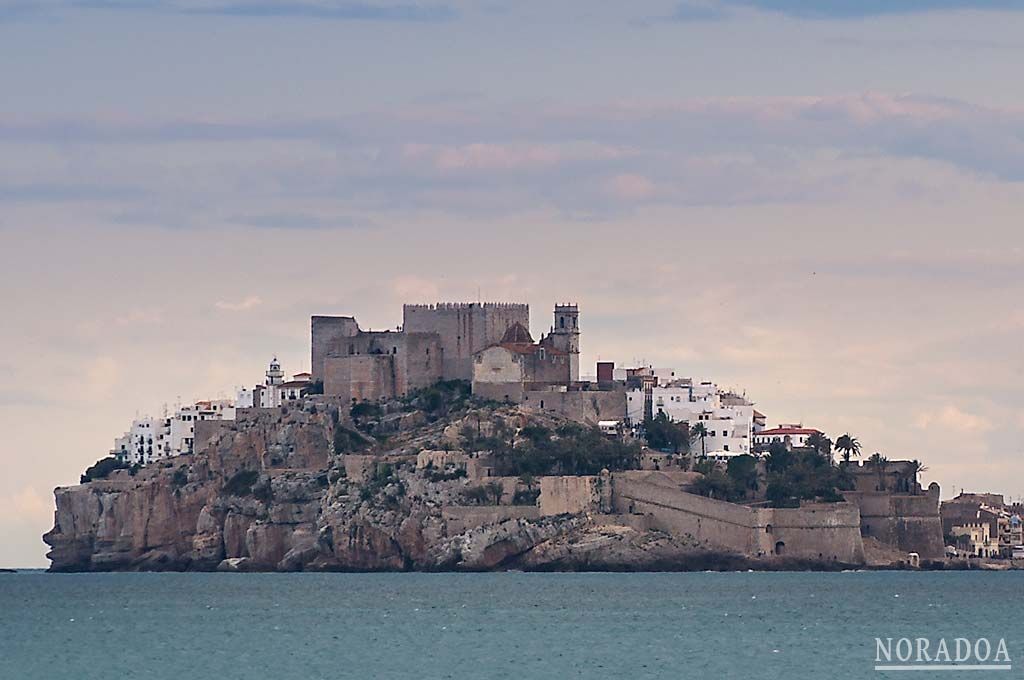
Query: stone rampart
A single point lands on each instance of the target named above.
(909, 523)
(830, 532)
(583, 406)
(560, 495)
(459, 518)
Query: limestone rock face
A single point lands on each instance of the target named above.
(266, 493)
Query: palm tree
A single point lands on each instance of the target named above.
(701, 432)
(911, 473)
(849, 445)
(879, 463)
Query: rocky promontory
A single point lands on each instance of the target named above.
(317, 486)
(435, 481)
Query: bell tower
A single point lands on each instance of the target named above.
(565, 336)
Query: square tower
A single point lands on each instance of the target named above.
(565, 336)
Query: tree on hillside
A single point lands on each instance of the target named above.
(879, 464)
(698, 431)
(742, 470)
(664, 434)
(821, 444)
(849, 445)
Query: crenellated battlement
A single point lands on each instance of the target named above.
(458, 306)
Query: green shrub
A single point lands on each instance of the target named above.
(241, 483)
(365, 410)
(180, 477)
(571, 450)
(442, 476)
(347, 440)
(525, 497)
(477, 494)
(102, 468)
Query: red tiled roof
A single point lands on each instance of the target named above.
(789, 431)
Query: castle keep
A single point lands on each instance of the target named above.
(443, 341)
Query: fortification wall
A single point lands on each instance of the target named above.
(358, 377)
(825, 531)
(905, 522)
(327, 335)
(581, 406)
(828, 532)
(560, 495)
(464, 328)
(459, 518)
(497, 365)
(504, 392)
(714, 523)
(359, 467)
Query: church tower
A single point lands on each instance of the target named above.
(565, 336)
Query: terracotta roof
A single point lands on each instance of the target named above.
(789, 430)
(517, 334)
(296, 383)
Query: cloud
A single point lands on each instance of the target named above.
(415, 289)
(331, 10)
(298, 220)
(860, 9)
(344, 11)
(587, 162)
(243, 305)
(697, 11)
(631, 187)
(100, 376)
(953, 419)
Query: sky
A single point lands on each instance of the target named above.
(815, 202)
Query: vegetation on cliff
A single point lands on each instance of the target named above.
(102, 468)
(568, 449)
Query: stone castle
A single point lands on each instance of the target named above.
(488, 344)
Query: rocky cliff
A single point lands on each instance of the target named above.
(275, 491)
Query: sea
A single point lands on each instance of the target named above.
(305, 626)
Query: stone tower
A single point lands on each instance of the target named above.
(565, 336)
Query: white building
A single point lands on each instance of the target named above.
(728, 419)
(793, 436)
(274, 391)
(152, 439)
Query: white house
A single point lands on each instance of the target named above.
(728, 419)
(152, 439)
(793, 436)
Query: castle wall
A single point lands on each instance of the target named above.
(498, 365)
(464, 329)
(504, 392)
(560, 495)
(581, 406)
(328, 335)
(361, 376)
(553, 367)
(460, 518)
(907, 523)
(830, 532)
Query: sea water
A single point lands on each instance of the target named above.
(494, 625)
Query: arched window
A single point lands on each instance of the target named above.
(561, 322)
